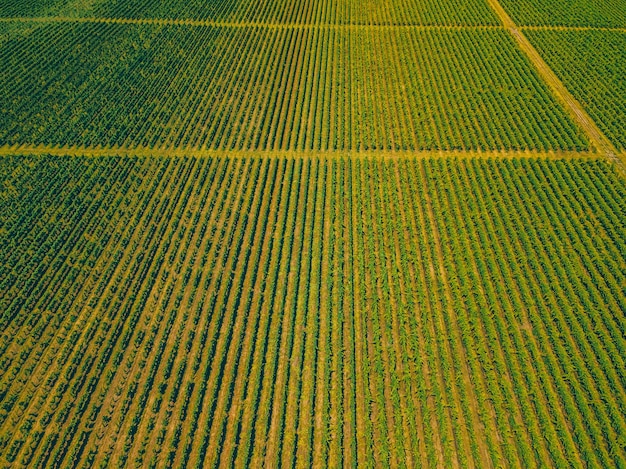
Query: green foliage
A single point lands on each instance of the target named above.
(401, 12)
(363, 311)
(595, 13)
(591, 64)
(236, 88)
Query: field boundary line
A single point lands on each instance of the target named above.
(233, 24)
(596, 137)
(145, 152)
(547, 27)
(269, 25)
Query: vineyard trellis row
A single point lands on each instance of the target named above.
(593, 13)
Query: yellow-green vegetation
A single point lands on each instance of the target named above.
(276, 89)
(592, 64)
(194, 312)
(354, 12)
(312, 233)
(594, 13)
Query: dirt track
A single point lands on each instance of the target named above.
(598, 140)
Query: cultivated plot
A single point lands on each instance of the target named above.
(189, 312)
(378, 12)
(585, 13)
(263, 88)
(592, 64)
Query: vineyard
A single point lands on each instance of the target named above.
(354, 12)
(325, 89)
(298, 233)
(198, 312)
(594, 13)
(592, 65)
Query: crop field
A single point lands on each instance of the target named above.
(324, 89)
(583, 13)
(313, 233)
(355, 12)
(592, 66)
(294, 311)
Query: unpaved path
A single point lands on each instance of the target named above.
(548, 27)
(144, 152)
(597, 139)
(255, 24)
(231, 24)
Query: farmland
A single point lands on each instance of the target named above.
(578, 13)
(353, 12)
(257, 311)
(326, 89)
(591, 64)
(297, 233)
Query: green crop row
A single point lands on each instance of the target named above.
(587, 13)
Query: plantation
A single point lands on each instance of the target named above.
(257, 311)
(331, 233)
(592, 65)
(595, 13)
(323, 89)
(353, 12)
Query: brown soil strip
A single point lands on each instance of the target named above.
(145, 152)
(571, 28)
(228, 24)
(601, 143)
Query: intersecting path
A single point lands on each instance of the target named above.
(575, 109)
(597, 138)
(272, 25)
(141, 152)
